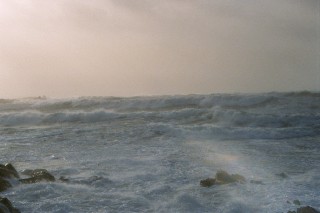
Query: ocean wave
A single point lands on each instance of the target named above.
(131, 104)
(39, 118)
(161, 103)
(270, 110)
(303, 94)
(206, 132)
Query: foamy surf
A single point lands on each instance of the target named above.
(148, 154)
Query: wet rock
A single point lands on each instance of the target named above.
(64, 179)
(282, 175)
(6, 206)
(8, 171)
(222, 177)
(4, 184)
(38, 175)
(307, 209)
(207, 182)
(238, 178)
(258, 182)
(3, 209)
(297, 202)
(11, 168)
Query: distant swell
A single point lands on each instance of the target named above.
(228, 115)
(38, 118)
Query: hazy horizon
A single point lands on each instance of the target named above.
(135, 48)
(46, 97)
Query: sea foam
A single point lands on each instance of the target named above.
(148, 154)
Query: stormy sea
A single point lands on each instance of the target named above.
(149, 154)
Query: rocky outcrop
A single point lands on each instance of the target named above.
(38, 175)
(8, 171)
(222, 177)
(4, 184)
(6, 206)
(305, 209)
(208, 182)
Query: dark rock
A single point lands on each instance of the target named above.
(8, 171)
(291, 212)
(38, 175)
(207, 182)
(307, 209)
(297, 202)
(64, 179)
(6, 206)
(43, 173)
(10, 167)
(3, 209)
(259, 182)
(282, 175)
(4, 184)
(238, 178)
(222, 177)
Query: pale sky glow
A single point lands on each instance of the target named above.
(67, 48)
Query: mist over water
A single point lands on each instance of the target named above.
(148, 154)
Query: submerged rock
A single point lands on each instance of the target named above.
(282, 175)
(64, 179)
(258, 182)
(238, 178)
(4, 184)
(297, 202)
(38, 175)
(207, 182)
(6, 206)
(222, 177)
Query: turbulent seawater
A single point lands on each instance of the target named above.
(148, 154)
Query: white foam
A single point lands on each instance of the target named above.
(148, 154)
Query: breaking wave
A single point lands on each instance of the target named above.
(268, 114)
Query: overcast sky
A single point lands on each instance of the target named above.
(66, 48)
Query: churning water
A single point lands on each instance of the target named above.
(148, 154)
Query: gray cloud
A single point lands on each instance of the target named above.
(121, 47)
